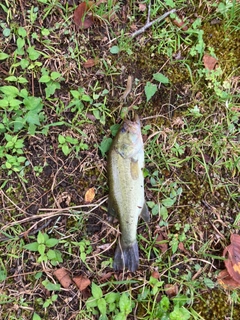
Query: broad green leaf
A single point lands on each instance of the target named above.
(9, 90)
(11, 78)
(163, 212)
(120, 316)
(45, 32)
(115, 128)
(101, 303)
(22, 80)
(21, 159)
(160, 77)
(125, 304)
(51, 254)
(31, 246)
(105, 145)
(75, 94)
(6, 32)
(51, 242)
(24, 63)
(40, 237)
(51, 88)
(15, 103)
(179, 314)
(61, 139)
(4, 103)
(3, 56)
(150, 89)
(2, 127)
(91, 303)
(8, 165)
(36, 317)
(32, 118)
(209, 283)
(165, 304)
(45, 78)
(41, 248)
(168, 202)
(19, 143)
(55, 75)
(112, 297)
(20, 43)
(33, 54)
(33, 103)
(32, 129)
(22, 32)
(86, 98)
(71, 140)
(66, 150)
(51, 286)
(114, 49)
(96, 291)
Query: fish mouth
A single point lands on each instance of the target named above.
(132, 126)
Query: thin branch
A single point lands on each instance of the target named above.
(149, 24)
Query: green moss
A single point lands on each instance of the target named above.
(215, 304)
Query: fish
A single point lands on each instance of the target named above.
(126, 191)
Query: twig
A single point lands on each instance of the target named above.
(149, 24)
(149, 12)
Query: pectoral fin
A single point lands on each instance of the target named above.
(134, 168)
(145, 213)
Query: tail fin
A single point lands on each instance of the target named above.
(126, 257)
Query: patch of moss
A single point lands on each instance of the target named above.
(215, 304)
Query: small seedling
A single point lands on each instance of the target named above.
(42, 246)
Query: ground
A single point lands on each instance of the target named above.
(69, 77)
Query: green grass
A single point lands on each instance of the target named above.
(57, 121)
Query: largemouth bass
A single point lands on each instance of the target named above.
(126, 191)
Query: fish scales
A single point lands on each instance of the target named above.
(126, 191)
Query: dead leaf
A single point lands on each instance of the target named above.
(226, 281)
(89, 195)
(160, 242)
(155, 274)
(81, 282)
(209, 62)
(171, 290)
(63, 277)
(232, 263)
(90, 63)
(81, 18)
(182, 248)
(180, 23)
(106, 276)
(142, 7)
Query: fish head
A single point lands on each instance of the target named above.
(129, 140)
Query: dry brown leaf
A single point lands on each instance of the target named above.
(232, 263)
(81, 282)
(63, 277)
(142, 7)
(90, 63)
(226, 281)
(163, 246)
(105, 276)
(209, 62)
(182, 248)
(80, 18)
(89, 195)
(180, 24)
(171, 290)
(155, 274)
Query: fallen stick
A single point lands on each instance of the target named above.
(149, 24)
